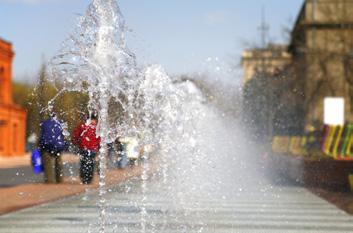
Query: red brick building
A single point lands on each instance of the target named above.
(12, 117)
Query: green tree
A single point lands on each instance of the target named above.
(41, 98)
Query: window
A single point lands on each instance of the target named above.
(14, 138)
(2, 135)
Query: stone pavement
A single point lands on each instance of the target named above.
(30, 192)
(133, 208)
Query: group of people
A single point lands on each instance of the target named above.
(52, 144)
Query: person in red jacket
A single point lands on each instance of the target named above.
(86, 139)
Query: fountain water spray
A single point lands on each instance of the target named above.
(95, 60)
(148, 105)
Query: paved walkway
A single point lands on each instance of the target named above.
(133, 208)
(21, 188)
(27, 195)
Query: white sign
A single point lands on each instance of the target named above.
(334, 111)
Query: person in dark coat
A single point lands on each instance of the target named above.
(52, 144)
(85, 138)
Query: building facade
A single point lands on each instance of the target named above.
(12, 117)
(322, 50)
(267, 61)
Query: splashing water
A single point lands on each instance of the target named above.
(148, 105)
(96, 61)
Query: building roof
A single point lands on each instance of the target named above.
(272, 51)
(6, 50)
(5, 41)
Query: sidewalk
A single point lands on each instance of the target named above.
(31, 194)
(13, 162)
(343, 200)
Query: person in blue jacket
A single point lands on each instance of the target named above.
(52, 144)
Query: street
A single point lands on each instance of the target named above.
(10, 177)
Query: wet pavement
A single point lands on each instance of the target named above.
(279, 209)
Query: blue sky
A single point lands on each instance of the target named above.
(179, 34)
